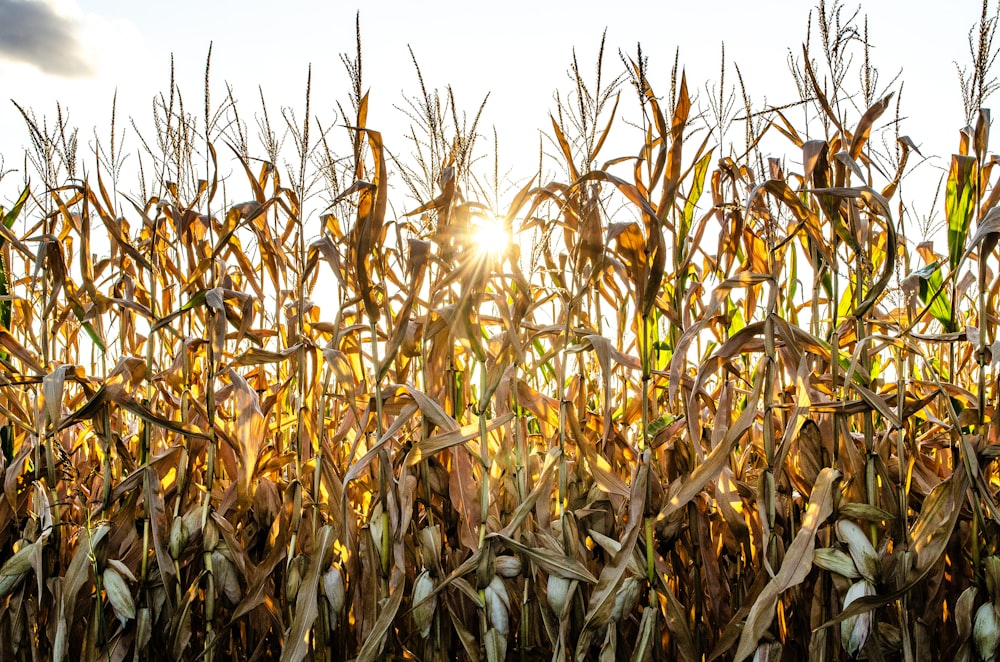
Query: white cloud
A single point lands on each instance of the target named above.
(36, 33)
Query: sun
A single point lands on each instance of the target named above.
(489, 235)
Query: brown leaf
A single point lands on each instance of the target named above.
(425, 448)
(10, 343)
(715, 460)
(464, 491)
(250, 430)
(602, 600)
(552, 563)
(306, 601)
(795, 566)
(864, 127)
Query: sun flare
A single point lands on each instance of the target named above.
(489, 236)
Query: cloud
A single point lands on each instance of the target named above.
(33, 32)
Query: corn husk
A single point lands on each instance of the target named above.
(294, 577)
(498, 606)
(119, 594)
(557, 590)
(860, 548)
(986, 632)
(333, 589)
(508, 567)
(836, 561)
(854, 630)
(424, 603)
(626, 599)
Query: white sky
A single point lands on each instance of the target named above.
(519, 51)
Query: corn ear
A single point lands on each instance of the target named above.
(854, 631)
(986, 632)
(860, 547)
(508, 567)
(333, 588)
(119, 594)
(557, 591)
(424, 603)
(498, 606)
(626, 599)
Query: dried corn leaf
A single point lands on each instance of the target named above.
(552, 562)
(794, 568)
(306, 602)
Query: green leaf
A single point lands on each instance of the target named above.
(197, 299)
(659, 425)
(960, 204)
(697, 187)
(932, 290)
(94, 336)
(8, 221)
(11, 216)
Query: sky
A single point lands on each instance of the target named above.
(80, 52)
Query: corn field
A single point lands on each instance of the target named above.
(689, 401)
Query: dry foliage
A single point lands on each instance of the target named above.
(741, 414)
